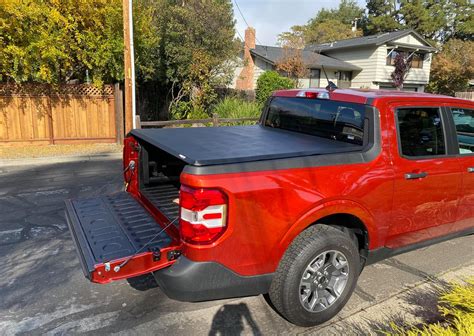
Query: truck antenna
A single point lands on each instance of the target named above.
(331, 86)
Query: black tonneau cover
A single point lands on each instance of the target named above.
(203, 146)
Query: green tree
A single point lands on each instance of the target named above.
(461, 20)
(437, 20)
(270, 81)
(452, 68)
(197, 50)
(427, 17)
(328, 25)
(382, 16)
(55, 41)
(147, 17)
(294, 39)
(58, 40)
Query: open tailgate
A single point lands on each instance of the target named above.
(113, 230)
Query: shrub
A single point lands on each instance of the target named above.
(231, 107)
(457, 309)
(270, 81)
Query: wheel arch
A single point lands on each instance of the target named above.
(345, 214)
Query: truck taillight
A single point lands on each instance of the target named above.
(313, 94)
(203, 214)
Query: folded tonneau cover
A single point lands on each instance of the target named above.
(203, 146)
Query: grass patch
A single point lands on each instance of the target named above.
(456, 306)
(231, 107)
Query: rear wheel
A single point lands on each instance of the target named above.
(316, 276)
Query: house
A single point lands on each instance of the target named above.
(361, 62)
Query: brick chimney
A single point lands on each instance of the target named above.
(245, 79)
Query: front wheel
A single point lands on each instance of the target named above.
(316, 276)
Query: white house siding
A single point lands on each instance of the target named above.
(237, 72)
(365, 58)
(416, 77)
(260, 66)
(409, 39)
(304, 82)
(331, 76)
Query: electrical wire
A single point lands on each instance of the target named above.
(243, 17)
(125, 262)
(241, 14)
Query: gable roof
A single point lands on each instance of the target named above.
(371, 40)
(312, 60)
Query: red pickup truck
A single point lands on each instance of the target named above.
(294, 207)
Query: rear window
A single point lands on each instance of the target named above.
(324, 118)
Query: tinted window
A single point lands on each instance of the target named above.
(325, 118)
(464, 121)
(421, 131)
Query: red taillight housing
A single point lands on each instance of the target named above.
(131, 150)
(203, 214)
(313, 94)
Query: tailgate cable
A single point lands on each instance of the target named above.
(125, 262)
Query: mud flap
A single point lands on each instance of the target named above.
(117, 238)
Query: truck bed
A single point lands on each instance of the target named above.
(204, 146)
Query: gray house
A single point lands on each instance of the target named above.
(362, 62)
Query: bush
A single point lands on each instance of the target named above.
(270, 81)
(457, 309)
(231, 107)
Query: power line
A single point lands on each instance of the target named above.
(243, 17)
(241, 14)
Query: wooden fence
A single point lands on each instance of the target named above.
(465, 95)
(215, 121)
(41, 114)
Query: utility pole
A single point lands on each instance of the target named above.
(129, 66)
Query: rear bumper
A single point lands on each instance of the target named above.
(191, 281)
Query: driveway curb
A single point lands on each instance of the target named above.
(59, 159)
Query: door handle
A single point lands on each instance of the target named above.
(470, 170)
(414, 176)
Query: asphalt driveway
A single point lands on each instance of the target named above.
(43, 290)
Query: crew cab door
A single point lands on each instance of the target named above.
(463, 123)
(427, 175)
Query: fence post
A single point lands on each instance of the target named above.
(215, 119)
(118, 105)
(138, 122)
(50, 117)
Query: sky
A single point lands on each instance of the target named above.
(272, 17)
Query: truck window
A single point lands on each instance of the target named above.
(421, 131)
(464, 121)
(324, 118)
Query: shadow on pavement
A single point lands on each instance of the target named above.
(230, 319)
(423, 304)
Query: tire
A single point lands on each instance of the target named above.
(316, 276)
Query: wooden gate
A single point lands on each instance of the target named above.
(42, 114)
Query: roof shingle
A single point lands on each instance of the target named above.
(374, 40)
(311, 59)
